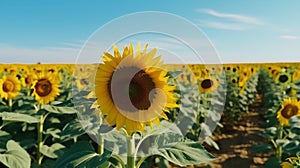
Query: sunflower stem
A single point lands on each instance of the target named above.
(28, 92)
(100, 145)
(40, 140)
(130, 151)
(40, 127)
(75, 139)
(279, 148)
(10, 104)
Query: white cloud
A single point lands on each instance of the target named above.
(224, 26)
(171, 49)
(228, 21)
(12, 54)
(289, 37)
(232, 17)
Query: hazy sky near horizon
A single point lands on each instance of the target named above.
(54, 31)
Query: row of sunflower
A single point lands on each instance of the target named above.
(241, 89)
(38, 119)
(228, 89)
(37, 116)
(37, 105)
(279, 85)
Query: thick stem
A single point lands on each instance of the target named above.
(100, 145)
(75, 139)
(279, 149)
(130, 152)
(28, 92)
(40, 140)
(10, 103)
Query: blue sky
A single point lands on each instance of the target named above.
(241, 31)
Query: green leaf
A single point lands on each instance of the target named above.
(15, 156)
(292, 147)
(182, 153)
(27, 143)
(174, 74)
(82, 155)
(59, 109)
(54, 151)
(262, 148)
(212, 143)
(161, 162)
(54, 132)
(295, 124)
(4, 137)
(17, 117)
(272, 162)
(47, 163)
(164, 127)
(71, 130)
(282, 142)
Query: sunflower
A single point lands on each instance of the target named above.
(46, 87)
(243, 78)
(10, 87)
(27, 79)
(290, 162)
(208, 84)
(286, 165)
(274, 71)
(10, 69)
(283, 78)
(289, 108)
(132, 90)
(234, 80)
(81, 83)
(295, 76)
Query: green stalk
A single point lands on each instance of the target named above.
(279, 149)
(100, 145)
(28, 92)
(10, 103)
(75, 139)
(130, 152)
(40, 140)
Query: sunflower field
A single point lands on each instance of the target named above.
(62, 115)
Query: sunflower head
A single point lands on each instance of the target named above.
(289, 108)
(243, 78)
(45, 87)
(81, 83)
(132, 89)
(208, 84)
(290, 162)
(10, 87)
(283, 78)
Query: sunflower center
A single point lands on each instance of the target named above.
(28, 80)
(283, 78)
(289, 111)
(138, 90)
(43, 87)
(207, 83)
(8, 86)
